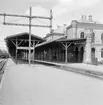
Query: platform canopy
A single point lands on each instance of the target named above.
(21, 41)
(24, 36)
(61, 40)
(61, 50)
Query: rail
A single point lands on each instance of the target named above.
(2, 65)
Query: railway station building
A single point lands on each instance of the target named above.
(81, 41)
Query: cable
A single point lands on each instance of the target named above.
(41, 21)
(17, 20)
(1, 29)
(1, 40)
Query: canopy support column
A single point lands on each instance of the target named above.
(34, 51)
(66, 45)
(16, 50)
(66, 53)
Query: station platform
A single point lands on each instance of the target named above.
(81, 68)
(77, 66)
(38, 84)
(10, 62)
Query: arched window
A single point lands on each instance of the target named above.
(102, 37)
(102, 53)
(93, 37)
(82, 35)
(93, 53)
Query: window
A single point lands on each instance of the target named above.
(93, 37)
(82, 35)
(102, 37)
(93, 53)
(102, 53)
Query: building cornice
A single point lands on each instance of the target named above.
(89, 25)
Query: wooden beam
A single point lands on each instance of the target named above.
(13, 43)
(25, 48)
(18, 24)
(69, 45)
(26, 16)
(20, 42)
(63, 44)
(37, 43)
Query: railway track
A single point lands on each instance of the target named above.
(2, 67)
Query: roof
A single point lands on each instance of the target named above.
(47, 42)
(70, 40)
(63, 39)
(85, 24)
(50, 34)
(70, 26)
(23, 34)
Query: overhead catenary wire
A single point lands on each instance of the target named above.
(16, 20)
(38, 20)
(41, 21)
(1, 29)
(20, 20)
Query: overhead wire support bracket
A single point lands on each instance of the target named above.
(17, 24)
(30, 17)
(27, 16)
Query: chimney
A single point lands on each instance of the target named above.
(90, 18)
(65, 25)
(58, 26)
(83, 17)
(64, 29)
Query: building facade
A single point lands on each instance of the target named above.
(87, 29)
(78, 29)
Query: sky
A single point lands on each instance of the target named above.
(64, 11)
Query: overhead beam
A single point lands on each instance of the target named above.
(27, 16)
(17, 24)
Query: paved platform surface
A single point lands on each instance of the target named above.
(83, 66)
(43, 85)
